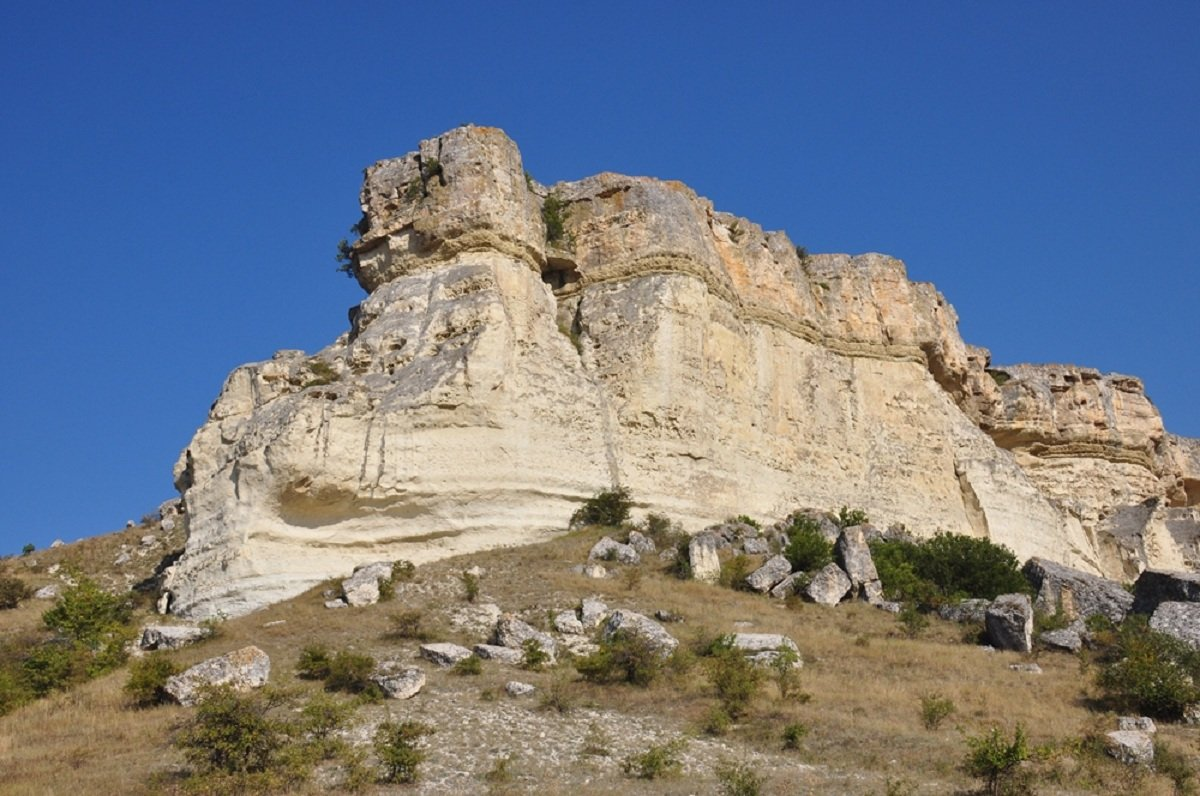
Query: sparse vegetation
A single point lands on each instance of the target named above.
(625, 658)
(848, 518)
(468, 667)
(147, 681)
(994, 758)
(398, 745)
(658, 761)
(554, 216)
(912, 621)
(1149, 672)
(807, 549)
(735, 679)
(793, 734)
(12, 592)
(935, 709)
(734, 572)
(533, 657)
(738, 778)
(470, 584)
(410, 625)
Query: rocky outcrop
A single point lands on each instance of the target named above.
(493, 379)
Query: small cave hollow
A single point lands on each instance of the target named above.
(559, 274)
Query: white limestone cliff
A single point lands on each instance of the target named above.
(492, 380)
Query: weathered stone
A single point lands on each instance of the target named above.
(1132, 747)
(46, 593)
(663, 615)
(972, 610)
(336, 603)
(170, 637)
(476, 618)
(568, 622)
(828, 586)
(592, 570)
(515, 688)
(149, 540)
(122, 558)
(872, 592)
(1009, 623)
(362, 587)
(642, 544)
(494, 652)
(703, 558)
(1063, 639)
(1140, 723)
(756, 547)
(592, 612)
(242, 670)
(764, 648)
(1026, 668)
(1156, 586)
(769, 574)
(784, 588)
(444, 653)
(513, 632)
(1077, 593)
(609, 549)
(398, 681)
(1181, 620)
(621, 621)
(854, 556)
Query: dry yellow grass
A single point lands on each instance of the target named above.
(865, 680)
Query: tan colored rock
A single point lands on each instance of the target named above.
(491, 382)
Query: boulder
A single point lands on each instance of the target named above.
(592, 612)
(243, 669)
(703, 558)
(1181, 620)
(1009, 623)
(784, 588)
(592, 570)
(494, 652)
(170, 637)
(756, 547)
(828, 586)
(854, 556)
(1132, 747)
(444, 654)
(398, 681)
(1141, 723)
(568, 622)
(769, 574)
(1078, 594)
(1064, 639)
(764, 648)
(478, 618)
(609, 549)
(515, 688)
(362, 587)
(621, 621)
(46, 593)
(513, 633)
(972, 610)
(1026, 668)
(1156, 586)
(642, 544)
(336, 603)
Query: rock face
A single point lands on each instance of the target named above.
(492, 380)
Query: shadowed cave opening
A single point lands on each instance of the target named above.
(559, 273)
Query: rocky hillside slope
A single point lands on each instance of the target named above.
(522, 347)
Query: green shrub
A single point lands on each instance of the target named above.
(734, 572)
(734, 677)
(947, 567)
(935, 708)
(553, 214)
(147, 681)
(557, 696)
(323, 716)
(468, 667)
(912, 621)
(745, 520)
(314, 662)
(351, 672)
(14, 692)
(610, 507)
(1150, 672)
(410, 625)
(738, 779)
(994, 758)
(793, 734)
(28, 549)
(87, 614)
(626, 658)
(896, 563)
(345, 258)
(658, 761)
(716, 721)
(470, 582)
(52, 666)
(397, 744)
(807, 550)
(403, 570)
(533, 656)
(848, 518)
(786, 673)
(12, 592)
(231, 733)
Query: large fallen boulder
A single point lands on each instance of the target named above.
(1156, 586)
(242, 670)
(854, 556)
(770, 573)
(632, 623)
(363, 586)
(609, 549)
(513, 633)
(398, 681)
(764, 648)
(1076, 593)
(703, 558)
(1009, 623)
(828, 586)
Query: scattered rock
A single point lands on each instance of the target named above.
(1181, 620)
(513, 632)
(591, 570)
(362, 587)
(1009, 623)
(170, 637)
(1064, 639)
(516, 688)
(476, 617)
(764, 648)
(1078, 594)
(756, 547)
(770, 573)
(243, 669)
(337, 603)
(568, 622)
(609, 549)
(621, 621)
(168, 524)
(122, 559)
(664, 615)
(57, 543)
(398, 681)
(149, 540)
(494, 652)
(973, 610)
(703, 558)
(592, 612)
(1132, 747)
(891, 606)
(46, 593)
(1026, 668)
(784, 588)
(475, 571)
(828, 586)
(1140, 723)
(642, 544)
(53, 569)
(854, 556)
(444, 653)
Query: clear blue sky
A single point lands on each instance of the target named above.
(174, 178)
